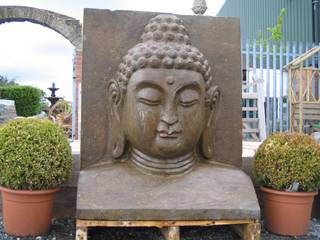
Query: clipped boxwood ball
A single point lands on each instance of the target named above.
(285, 158)
(34, 155)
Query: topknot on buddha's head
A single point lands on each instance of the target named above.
(166, 28)
(165, 44)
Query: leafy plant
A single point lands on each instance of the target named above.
(274, 34)
(285, 159)
(5, 81)
(34, 155)
(27, 99)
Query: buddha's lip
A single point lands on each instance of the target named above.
(168, 135)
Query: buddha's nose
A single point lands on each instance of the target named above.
(169, 116)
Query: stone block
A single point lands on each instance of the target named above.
(208, 192)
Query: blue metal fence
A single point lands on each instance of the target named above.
(266, 62)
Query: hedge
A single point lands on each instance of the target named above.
(27, 99)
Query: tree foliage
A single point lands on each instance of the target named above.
(5, 81)
(27, 99)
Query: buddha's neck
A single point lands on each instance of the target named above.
(167, 166)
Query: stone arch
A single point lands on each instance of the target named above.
(68, 27)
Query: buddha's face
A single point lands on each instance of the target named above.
(164, 111)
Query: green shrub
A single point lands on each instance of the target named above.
(27, 99)
(287, 158)
(34, 155)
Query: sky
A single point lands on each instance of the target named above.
(37, 56)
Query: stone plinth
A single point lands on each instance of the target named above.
(208, 192)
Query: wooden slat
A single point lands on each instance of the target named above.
(250, 119)
(246, 128)
(309, 106)
(249, 109)
(311, 68)
(250, 130)
(311, 111)
(161, 224)
(307, 117)
(303, 57)
(249, 96)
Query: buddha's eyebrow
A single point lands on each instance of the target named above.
(191, 85)
(148, 84)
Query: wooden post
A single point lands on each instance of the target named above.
(290, 100)
(171, 233)
(250, 231)
(82, 233)
(301, 122)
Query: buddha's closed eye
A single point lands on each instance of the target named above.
(149, 96)
(188, 98)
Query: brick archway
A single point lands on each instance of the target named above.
(68, 27)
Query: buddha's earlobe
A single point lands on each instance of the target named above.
(118, 140)
(206, 141)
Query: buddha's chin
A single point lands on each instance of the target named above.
(170, 147)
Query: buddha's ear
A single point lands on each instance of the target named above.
(118, 140)
(206, 140)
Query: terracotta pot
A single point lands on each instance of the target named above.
(27, 213)
(287, 213)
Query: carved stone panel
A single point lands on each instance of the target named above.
(108, 35)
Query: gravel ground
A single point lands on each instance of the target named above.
(65, 229)
(60, 229)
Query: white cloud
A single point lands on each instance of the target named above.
(38, 56)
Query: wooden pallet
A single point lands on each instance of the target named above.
(246, 229)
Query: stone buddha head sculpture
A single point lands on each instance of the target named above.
(163, 101)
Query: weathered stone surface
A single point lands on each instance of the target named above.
(7, 110)
(68, 27)
(108, 36)
(121, 192)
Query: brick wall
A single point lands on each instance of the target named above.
(77, 79)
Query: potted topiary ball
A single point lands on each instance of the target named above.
(288, 167)
(35, 158)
